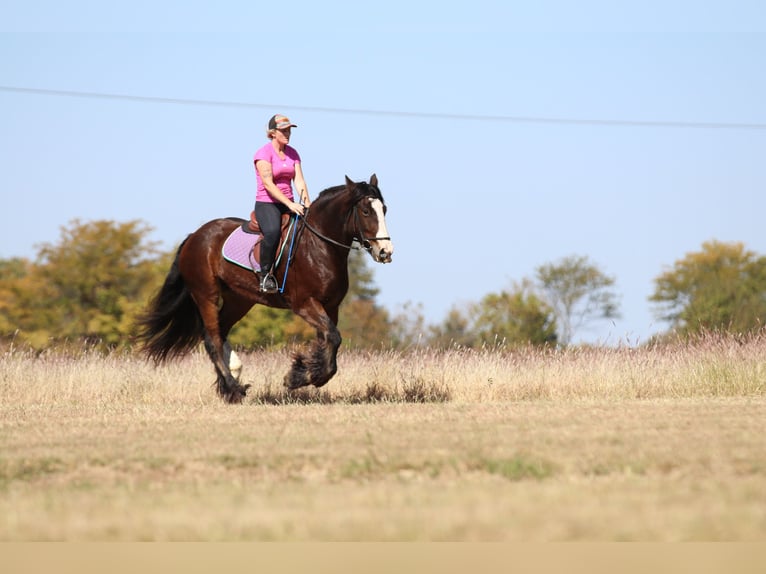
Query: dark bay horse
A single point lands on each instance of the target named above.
(204, 295)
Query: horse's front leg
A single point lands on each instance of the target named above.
(318, 363)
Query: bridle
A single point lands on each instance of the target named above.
(364, 242)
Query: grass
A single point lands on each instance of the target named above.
(650, 444)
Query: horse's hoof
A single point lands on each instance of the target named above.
(236, 396)
(292, 385)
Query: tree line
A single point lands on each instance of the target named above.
(89, 287)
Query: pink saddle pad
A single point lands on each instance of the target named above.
(238, 249)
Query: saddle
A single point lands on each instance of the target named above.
(251, 226)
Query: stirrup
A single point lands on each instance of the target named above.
(269, 284)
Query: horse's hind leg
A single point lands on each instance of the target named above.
(232, 359)
(227, 385)
(222, 356)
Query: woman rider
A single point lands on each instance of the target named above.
(277, 166)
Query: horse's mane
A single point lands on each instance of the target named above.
(361, 189)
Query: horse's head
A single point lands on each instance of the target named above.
(370, 215)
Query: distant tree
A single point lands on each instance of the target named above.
(265, 327)
(721, 287)
(13, 268)
(455, 330)
(12, 273)
(515, 317)
(509, 318)
(408, 326)
(87, 287)
(579, 293)
(362, 322)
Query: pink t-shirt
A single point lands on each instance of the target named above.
(283, 171)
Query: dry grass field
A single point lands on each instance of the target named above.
(594, 444)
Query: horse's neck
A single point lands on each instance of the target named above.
(333, 219)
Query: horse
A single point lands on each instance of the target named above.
(204, 295)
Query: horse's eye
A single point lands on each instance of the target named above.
(366, 212)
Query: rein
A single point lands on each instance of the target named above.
(364, 243)
(329, 239)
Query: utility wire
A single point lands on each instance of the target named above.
(367, 112)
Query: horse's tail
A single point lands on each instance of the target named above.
(172, 325)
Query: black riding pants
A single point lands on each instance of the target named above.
(269, 216)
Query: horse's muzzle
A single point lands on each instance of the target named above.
(380, 248)
(384, 255)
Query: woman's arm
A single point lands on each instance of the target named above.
(300, 185)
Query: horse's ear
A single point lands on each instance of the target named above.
(374, 180)
(349, 184)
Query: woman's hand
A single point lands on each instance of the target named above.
(296, 208)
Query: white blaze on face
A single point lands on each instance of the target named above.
(382, 249)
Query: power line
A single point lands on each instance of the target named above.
(368, 112)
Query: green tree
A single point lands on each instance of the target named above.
(511, 318)
(721, 287)
(516, 317)
(88, 287)
(579, 293)
(455, 330)
(265, 327)
(12, 274)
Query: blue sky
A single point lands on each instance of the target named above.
(505, 135)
